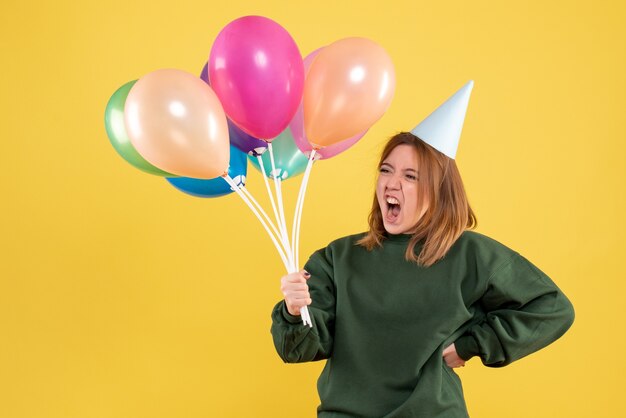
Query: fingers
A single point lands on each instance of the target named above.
(298, 277)
(298, 288)
(457, 364)
(294, 305)
(296, 291)
(298, 296)
(454, 361)
(451, 357)
(294, 282)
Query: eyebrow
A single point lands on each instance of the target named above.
(406, 169)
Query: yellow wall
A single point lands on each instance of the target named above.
(121, 297)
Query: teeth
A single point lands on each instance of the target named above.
(392, 200)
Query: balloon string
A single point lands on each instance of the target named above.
(294, 266)
(298, 214)
(295, 222)
(232, 184)
(295, 237)
(295, 231)
(279, 194)
(270, 194)
(260, 209)
(279, 203)
(304, 312)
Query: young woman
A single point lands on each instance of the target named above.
(396, 308)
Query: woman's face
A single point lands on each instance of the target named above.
(397, 191)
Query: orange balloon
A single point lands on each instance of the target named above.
(348, 88)
(177, 123)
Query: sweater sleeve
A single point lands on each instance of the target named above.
(295, 342)
(524, 312)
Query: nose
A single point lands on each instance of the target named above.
(394, 181)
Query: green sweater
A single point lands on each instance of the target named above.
(383, 322)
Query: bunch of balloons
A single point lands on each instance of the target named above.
(254, 94)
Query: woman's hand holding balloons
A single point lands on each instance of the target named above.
(296, 291)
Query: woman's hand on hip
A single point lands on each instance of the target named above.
(451, 358)
(296, 291)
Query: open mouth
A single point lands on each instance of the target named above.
(393, 209)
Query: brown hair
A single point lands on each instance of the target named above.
(448, 213)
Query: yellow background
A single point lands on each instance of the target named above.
(122, 297)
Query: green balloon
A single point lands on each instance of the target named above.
(116, 131)
(288, 158)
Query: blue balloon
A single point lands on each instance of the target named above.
(216, 187)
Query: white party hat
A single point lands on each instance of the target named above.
(442, 128)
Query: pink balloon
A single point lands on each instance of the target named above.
(298, 132)
(256, 70)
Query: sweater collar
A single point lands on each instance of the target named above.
(401, 239)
